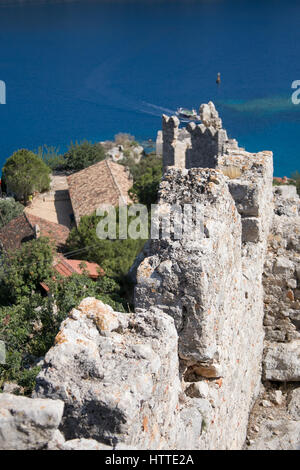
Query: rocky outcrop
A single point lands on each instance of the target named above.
(282, 362)
(26, 423)
(117, 374)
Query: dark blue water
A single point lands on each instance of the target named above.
(85, 69)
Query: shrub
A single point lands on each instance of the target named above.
(147, 176)
(51, 157)
(22, 271)
(81, 155)
(114, 256)
(9, 209)
(24, 173)
(296, 177)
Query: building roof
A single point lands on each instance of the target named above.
(16, 232)
(67, 267)
(22, 229)
(55, 232)
(105, 182)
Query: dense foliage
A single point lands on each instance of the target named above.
(29, 321)
(22, 271)
(114, 256)
(24, 173)
(296, 177)
(9, 209)
(51, 156)
(146, 176)
(81, 155)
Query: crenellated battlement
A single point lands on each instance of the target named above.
(196, 145)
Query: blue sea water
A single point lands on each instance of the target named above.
(91, 69)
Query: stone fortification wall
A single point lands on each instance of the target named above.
(212, 287)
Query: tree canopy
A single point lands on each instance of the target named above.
(24, 173)
(9, 209)
(29, 322)
(81, 155)
(114, 256)
(146, 175)
(296, 176)
(21, 271)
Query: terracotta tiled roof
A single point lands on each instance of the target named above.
(16, 232)
(56, 232)
(67, 267)
(103, 183)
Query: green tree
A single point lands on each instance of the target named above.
(23, 329)
(68, 292)
(114, 256)
(296, 176)
(9, 209)
(51, 156)
(147, 176)
(29, 327)
(24, 173)
(22, 271)
(81, 155)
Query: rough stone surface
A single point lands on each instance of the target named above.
(117, 374)
(294, 404)
(277, 435)
(282, 362)
(57, 441)
(278, 425)
(197, 145)
(26, 423)
(212, 286)
(91, 444)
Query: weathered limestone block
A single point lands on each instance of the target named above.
(26, 423)
(281, 271)
(57, 441)
(287, 201)
(210, 116)
(159, 144)
(246, 197)
(170, 131)
(251, 231)
(117, 374)
(282, 362)
(204, 146)
(85, 444)
(294, 404)
(283, 266)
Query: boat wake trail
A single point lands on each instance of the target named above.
(158, 110)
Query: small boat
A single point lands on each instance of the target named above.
(188, 114)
